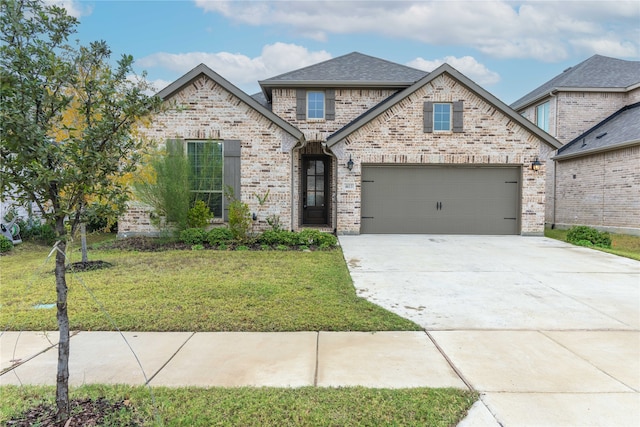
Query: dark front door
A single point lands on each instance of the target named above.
(315, 189)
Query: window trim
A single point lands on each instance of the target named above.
(545, 106)
(436, 122)
(222, 170)
(324, 105)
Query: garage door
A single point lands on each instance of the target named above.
(440, 200)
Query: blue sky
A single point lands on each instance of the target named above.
(507, 47)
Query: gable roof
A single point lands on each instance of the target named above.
(598, 73)
(351, 70)
(621, 129)
(202, 69)
(383, 106)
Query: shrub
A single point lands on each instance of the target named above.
(239, 217)
(588, 236)
(199, 215)
(318, 238)
(218, 236)
(41, 233)
(281, 237)
(5, 244)
(193, 236)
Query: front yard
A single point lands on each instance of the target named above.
(204, 290)
(184, 290)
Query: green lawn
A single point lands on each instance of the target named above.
(183, 290)
(621, 244)
(307, 406)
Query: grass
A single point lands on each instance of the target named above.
(192, 291)
(621, 244)
(307, 406)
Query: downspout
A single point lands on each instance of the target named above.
(555, 170)
(334, 195)
(298, 146)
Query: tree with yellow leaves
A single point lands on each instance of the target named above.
(57, 163)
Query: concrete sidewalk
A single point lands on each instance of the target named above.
(231, 359)
(536, 378)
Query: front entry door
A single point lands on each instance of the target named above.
(315, 190)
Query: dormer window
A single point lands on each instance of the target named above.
(315, 105)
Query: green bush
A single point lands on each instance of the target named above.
(587, 236)
(41, 233)
(219, 236)
(199, 215)
(317, 238)
(193, 236)
(5, 244)
(281, 237)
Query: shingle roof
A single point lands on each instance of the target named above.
(596, 72)
(352, 67)
(351, 70)
(383, 106)
(620, 129)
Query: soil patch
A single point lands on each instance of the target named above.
(85, 412)
(88, 266)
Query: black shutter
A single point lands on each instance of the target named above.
(301, 104)
(458, 122)
(330, 104)
(428, 117)
(232, 172)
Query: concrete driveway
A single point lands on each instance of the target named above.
(549, 333)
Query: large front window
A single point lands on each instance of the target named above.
(542, 116)
(206, 175)
(315, 105)
(442, 117)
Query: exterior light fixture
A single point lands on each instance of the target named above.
(350, 163)
(535, 166)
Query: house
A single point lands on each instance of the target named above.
(358, 144)
(592, 109)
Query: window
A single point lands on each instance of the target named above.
(206, 174)
(442, 117)
(315, 105)
(542, 116)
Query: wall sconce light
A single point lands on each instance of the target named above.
(535, 166)
(350, 163)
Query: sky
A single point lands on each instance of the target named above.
(507, 47)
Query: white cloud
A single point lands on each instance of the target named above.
(74, 8)
(543, 30)
(467, 65)
(239, 69)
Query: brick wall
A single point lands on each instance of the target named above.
(600, 190)
(205, 110)
(489, 138)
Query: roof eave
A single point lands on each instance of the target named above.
(618, 146)
(334, 83)
(555, 90)
(445, 68)
(177, 85)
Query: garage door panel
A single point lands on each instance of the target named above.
(440, 200)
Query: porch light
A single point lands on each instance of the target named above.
(350, 163)
(535, 166)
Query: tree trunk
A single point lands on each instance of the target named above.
(62, 377)
(83, 242)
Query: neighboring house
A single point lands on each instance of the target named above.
(358, 144)
(593, 181)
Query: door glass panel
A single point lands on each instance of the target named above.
(311, 199)
(311, 183)
(319, 167)
(319, 199)
(319, 183)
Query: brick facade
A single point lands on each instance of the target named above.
(600, 190)
(397, 137)
(271, 159)
(205, 110)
